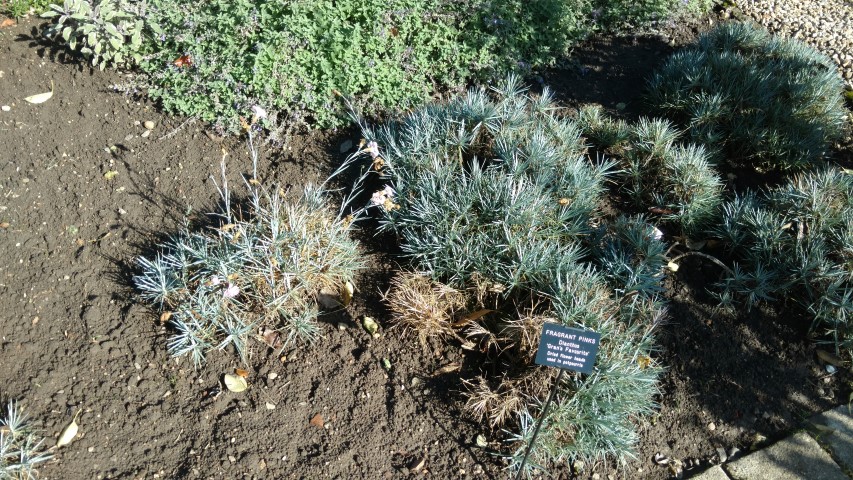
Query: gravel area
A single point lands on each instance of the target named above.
(825, 24)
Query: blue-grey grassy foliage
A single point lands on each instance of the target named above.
(494, 195)
(753, 98)
(261, 270)
(21, 449)
(795, 243)
(657, 172)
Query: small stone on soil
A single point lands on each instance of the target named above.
(148, 124)
(5, 108)
(712, 426)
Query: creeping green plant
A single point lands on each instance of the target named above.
(108, 32)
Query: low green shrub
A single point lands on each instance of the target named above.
(19, 8)
(752, 98)
(669, 180)
(107, 32)
(21, 448)
(632, 14)
(215, 59)
(495, 201)
(261, 271)
(795, 242)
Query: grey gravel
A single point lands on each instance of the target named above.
(826, 25)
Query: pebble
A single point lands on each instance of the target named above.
(826, 25)
(148, 124)
(5, 108)
(712, 426)
(721, 452)
(145, 134)
(272, 375)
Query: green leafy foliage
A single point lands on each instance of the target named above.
(795, 242)
(259, 271)
(21, 447)
(627, 14)
(19, 8)
(107, 32)
(291, 57)
(495, 200)
(752, 98)
(672, 181)
(387, 56)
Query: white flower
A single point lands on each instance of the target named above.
(373, 148)
(231, 292)
(259, 112)
(379, 197)
(215, 280)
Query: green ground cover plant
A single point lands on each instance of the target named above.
(794, 243)
(261, 272)
(752, 98)
(214, 60)
(21, 449)
(108, 33)
(19, 8)
(496, 204)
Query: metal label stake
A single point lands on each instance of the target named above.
(567, 349)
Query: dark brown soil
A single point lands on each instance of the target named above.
(74, 337)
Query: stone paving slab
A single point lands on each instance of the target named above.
(834, 429)
(797, 457)
(713, 473)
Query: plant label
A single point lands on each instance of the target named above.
(567, 348)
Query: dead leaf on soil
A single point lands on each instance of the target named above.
(164, 317)
(317, 421)
(473, 316)
(111, 174)
(271, 338)
(8, 22)
(235, 383)
(450, 367)
(4, 225)
(69, 432)
(829, 358)
(370, 325)
(41, 97)
(347, 292)
(241, 372)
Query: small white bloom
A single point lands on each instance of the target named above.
(259, 112)
(215, 281)
(232, 291)
(380, 197)
(373, 148)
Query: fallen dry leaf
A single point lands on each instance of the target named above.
(471, 317)
(347, 292)
(8, 22)
(241, 372)
(69, 432)
(450, 367)
(111, 174)
(164, 317)
(4, 225)
(41, 97)
(271, 337)
(829, 358)
(235, 383)
(317, 421)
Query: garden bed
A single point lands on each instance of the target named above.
(85, 190)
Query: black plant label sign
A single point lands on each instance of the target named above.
(567, 348)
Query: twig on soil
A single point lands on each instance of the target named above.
(178, 128)
(709, 257)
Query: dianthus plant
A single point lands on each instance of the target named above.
(659, 174)
(495, 200)
(796, 242)
(257, 272)
(21, 448)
